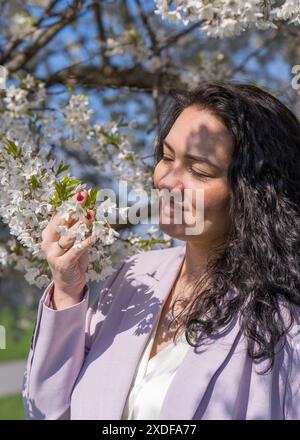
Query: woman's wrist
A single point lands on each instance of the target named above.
(60, 300)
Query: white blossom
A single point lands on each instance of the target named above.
(3, 77)
(227, 18)
(3, 256)
(15, 99)
(29, 179)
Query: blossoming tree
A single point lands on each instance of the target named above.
(63, 63)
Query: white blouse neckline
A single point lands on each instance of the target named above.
(151, 364)
(165, 348)
(153, 377)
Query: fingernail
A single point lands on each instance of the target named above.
(88, 216)
(80, 197)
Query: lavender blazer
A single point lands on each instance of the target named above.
(83, 359)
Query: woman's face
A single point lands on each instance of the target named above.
(196, 132)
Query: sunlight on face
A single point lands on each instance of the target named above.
(197, 153)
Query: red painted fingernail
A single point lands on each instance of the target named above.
(88, 216)
(80, 197)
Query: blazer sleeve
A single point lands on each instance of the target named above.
(60, 342)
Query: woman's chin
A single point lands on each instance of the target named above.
(173, 230)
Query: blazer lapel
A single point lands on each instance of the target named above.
(117, 364)
(190, 389)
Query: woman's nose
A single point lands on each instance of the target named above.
(168, 185)
(170, 181)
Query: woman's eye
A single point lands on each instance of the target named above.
(199, 175)
(195, 173)
(166, 158)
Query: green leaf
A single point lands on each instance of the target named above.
(11, 148)
(110, 139)
(92, 197)
(35, 183)
(64, 189)
(134, 37)
(199, 58)
(70, 89)
(74, 182)
(28, 112)
(61, 168)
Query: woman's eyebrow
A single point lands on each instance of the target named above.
(194, 157)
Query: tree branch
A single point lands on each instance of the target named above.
(13, 43)
(256, 52)
(111, 76)
(147, 25)
(22, 58)
(101, 32)
(174, 38)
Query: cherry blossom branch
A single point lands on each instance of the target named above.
(22, 58)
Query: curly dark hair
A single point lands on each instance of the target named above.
(260, 259)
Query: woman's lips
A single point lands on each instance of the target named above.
(172, 206)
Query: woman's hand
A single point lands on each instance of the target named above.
(68, 267)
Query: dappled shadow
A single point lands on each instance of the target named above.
(131, 298)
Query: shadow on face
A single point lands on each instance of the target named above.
(196, 156)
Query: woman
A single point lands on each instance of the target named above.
(234, 284)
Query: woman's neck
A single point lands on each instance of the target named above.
(194, 265)
(195, 261)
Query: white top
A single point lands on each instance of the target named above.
(153, 378)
